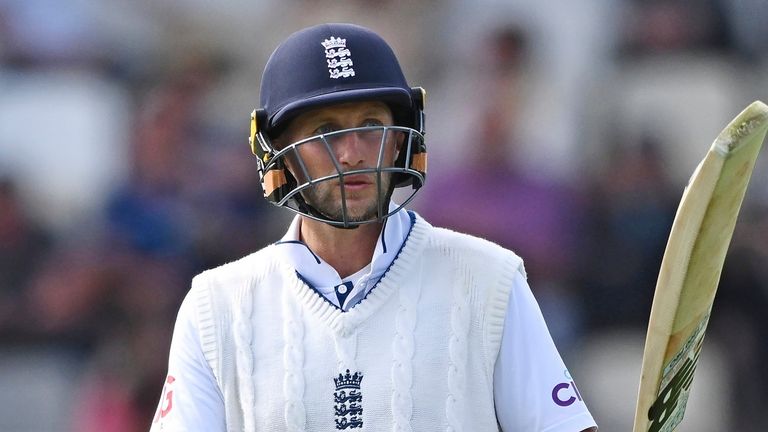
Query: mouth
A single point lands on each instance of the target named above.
(356, 182)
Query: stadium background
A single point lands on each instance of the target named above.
(563, 130)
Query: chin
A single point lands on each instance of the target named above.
(354, 214)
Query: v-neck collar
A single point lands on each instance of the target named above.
(397, 275)
(345, 293)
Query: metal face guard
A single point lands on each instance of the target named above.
(291, 188)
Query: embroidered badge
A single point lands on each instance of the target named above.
(348, 401)
(338, 57)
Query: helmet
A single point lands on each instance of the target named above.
(331, 64)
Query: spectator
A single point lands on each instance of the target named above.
(23, 245)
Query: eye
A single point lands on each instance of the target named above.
(372, 122)
(324, 129)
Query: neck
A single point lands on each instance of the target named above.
(346, 250)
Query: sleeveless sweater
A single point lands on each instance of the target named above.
(416, 354)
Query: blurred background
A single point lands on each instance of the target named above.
(563, 130)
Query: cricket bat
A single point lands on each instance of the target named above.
(690, 270)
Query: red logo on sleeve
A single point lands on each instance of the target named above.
(166, 401)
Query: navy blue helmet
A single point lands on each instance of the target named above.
(325, 65)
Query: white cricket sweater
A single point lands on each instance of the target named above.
(420, 348)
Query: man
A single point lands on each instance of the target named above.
(363, 316)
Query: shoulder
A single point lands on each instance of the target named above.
(469, 248)
(487, 274)
(241, 271)
(231, 289)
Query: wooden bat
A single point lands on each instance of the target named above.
(690, 270)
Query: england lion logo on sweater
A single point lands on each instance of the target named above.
(348, 401)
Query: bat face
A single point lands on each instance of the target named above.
(667, 410)
(690, 270)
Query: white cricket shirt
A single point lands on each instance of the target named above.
(533, 390)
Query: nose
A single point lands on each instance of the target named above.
(350, 150)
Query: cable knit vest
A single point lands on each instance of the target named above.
(417, 354)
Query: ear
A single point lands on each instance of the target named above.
(399, 141)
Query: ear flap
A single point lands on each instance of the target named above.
(419, 151)
(256, 140)
(417, 160)
(418, 154)
(276, 181)
(419, 97)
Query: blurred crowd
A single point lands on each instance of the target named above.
(565, 131)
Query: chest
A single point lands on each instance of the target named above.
(410, 353)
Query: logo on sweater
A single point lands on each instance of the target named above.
(348, 401)
(166, 401)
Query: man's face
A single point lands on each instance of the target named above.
(352, 151)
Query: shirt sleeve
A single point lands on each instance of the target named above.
(532, 388)
(191, 398)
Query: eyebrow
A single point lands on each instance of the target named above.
(374, 111)
(319, 118)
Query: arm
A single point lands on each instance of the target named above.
(533, 389)
(191, 399)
